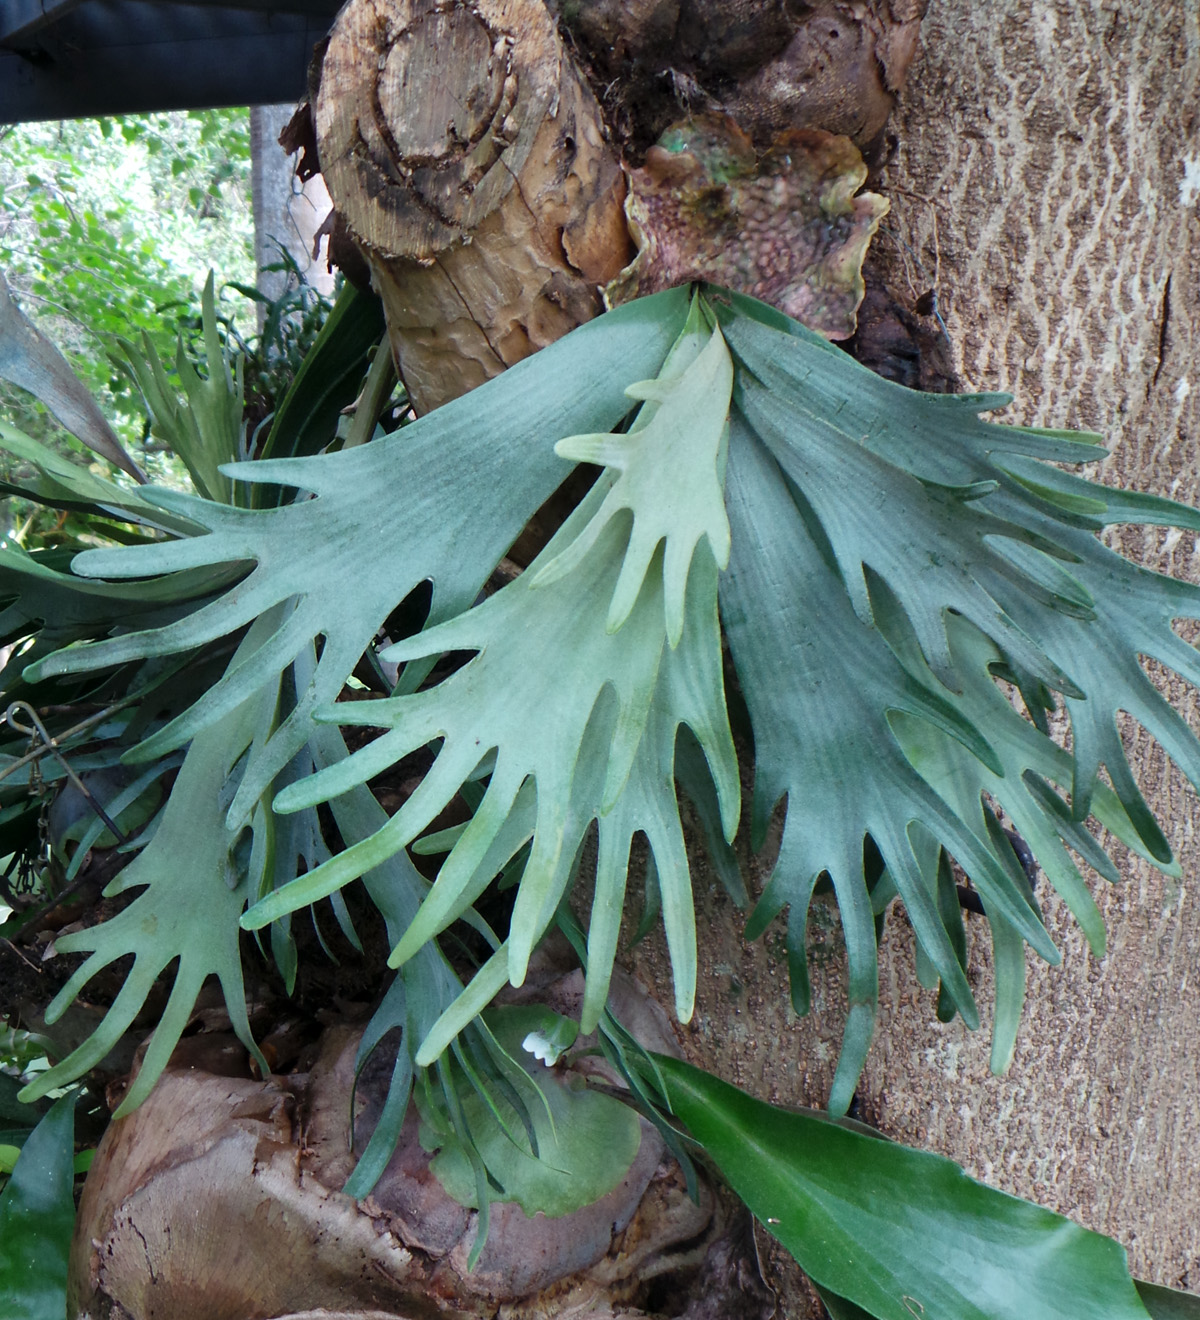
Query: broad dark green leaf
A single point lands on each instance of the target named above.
(37, 1218)
(329, 377)
(898, 1232)
(1168, 1303)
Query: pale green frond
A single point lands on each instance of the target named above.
(193, 892)
(668, 473)
(439, 501)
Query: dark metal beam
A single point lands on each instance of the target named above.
(317, 8)
(20, 20)
(109, 57)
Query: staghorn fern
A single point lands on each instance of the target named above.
(889, 556)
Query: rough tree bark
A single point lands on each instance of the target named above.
(1045, 184)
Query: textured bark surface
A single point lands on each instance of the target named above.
(774, 65)
(468, 158)
(218, 1199)
(1051, 155)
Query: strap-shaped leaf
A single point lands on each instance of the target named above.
(440, 500)
(65, 485)
(29, 360)
(898, 1232)
(204, 429)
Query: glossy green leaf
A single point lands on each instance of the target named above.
(37, 1218)
(898, 1232)
(1168, 1303)
(328, 380)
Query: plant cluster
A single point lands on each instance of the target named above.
(907, 592)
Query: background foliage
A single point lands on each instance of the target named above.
(106, 228)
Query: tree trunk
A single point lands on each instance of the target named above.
(287, 211)
(468, 157)
(1045, 185)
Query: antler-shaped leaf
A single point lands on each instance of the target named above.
(670, 469)
(442, 500)
(964, 521)
(195, 891)
(1032, 762)
(1135, 609)
(938, 547)
(582, 720)
(820, 685)
(56, 608)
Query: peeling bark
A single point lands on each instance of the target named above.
(468, 158)
(218, 1199)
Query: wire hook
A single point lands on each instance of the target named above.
(34, 730)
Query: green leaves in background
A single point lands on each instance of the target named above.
(898, 1232)
(37, 1218)
(29, 360)
(103, 223)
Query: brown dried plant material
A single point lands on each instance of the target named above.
(773, 64)
(468, 158)
(783, 225)
(217, 1199)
